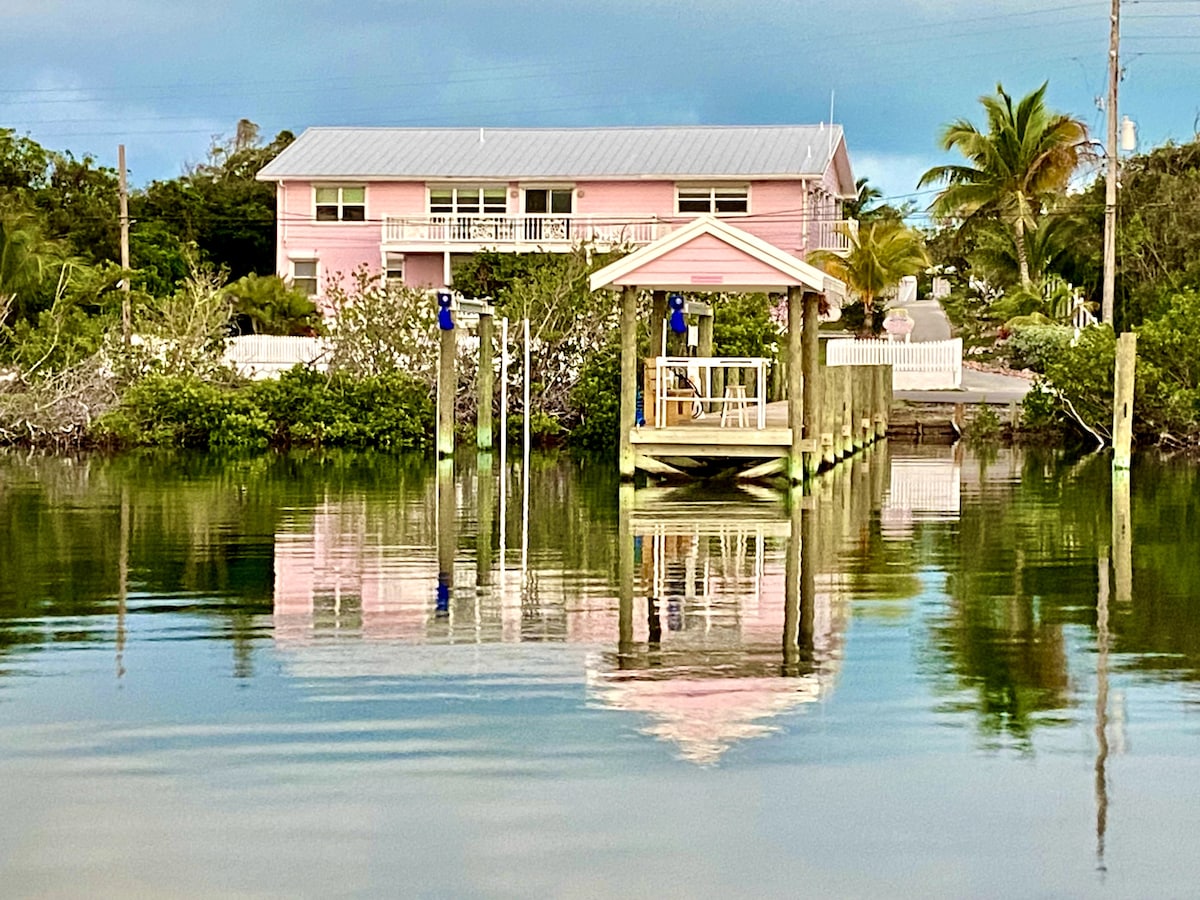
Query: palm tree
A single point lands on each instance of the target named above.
(881, 253)
(25, 260)
(1026, 155)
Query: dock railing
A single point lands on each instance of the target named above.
(694, 373)
(929, 365)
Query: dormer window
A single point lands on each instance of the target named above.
(712, 199)
(346, 203)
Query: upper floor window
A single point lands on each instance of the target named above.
(341, 204)
(469, 201)
(717, 199)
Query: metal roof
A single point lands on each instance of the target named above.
(757, 151)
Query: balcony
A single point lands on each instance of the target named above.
(519, 232)
(830, 235)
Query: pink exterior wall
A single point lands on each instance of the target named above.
(424, 270)
(778, 210)
(705, 260)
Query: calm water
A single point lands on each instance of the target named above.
(937, 674)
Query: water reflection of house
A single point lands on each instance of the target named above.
(699, 647)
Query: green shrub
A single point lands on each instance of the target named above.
(392, 411)
(1036, 346)
(596, 398)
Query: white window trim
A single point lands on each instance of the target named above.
(294, 258)
(712, 200)
(478, 186)
(341, 186)
(403, 259)
(541, 186)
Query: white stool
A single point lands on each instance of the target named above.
(736, 405)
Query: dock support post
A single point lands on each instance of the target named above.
(846, 425)
(795, 374)
(485, 384)
(882, 395)
(658, 316)
(447, 385)
(626, 462)
(1123, 399)
(810, 358)
(861, 389)
(831, 419)
(704, 345)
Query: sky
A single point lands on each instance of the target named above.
(163, 76)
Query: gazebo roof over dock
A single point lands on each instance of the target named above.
(709, 254)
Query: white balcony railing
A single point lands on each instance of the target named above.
(505, 230)
(830, 234)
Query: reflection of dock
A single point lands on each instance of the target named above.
(726, 609)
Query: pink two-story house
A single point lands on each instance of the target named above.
(408, 201)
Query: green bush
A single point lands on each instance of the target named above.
(392, 411)
(596, 398)
(1036, 346)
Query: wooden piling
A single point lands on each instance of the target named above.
(882, 396)
(484, 383)
(810, 358)
(626, 460)
(1123, 383)
(658, 317)
(795, 352)
(847, 410)
(447, 387)
(830, 415)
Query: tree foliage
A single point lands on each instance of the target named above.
(881, 253)
(1025, 156)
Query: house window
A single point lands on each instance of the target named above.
(304, 276)
(549, 200)
(341, 204)
(393, 270)
(719, 199)
(469, 201)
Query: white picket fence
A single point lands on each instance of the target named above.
(260, 356)
(929, 365)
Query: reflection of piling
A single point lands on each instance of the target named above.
(808, 581)
(447, 540)
(625, 572)
(122, 577)
(1101, 765)
(1123, 399)
(485, 497)
(791, 585)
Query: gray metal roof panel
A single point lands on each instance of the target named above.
(501, 153)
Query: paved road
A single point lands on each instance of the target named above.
(929, 321)
(930, 324)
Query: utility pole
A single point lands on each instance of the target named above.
(126, 310)
(1110, 182)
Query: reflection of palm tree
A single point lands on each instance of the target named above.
(1027, 154)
